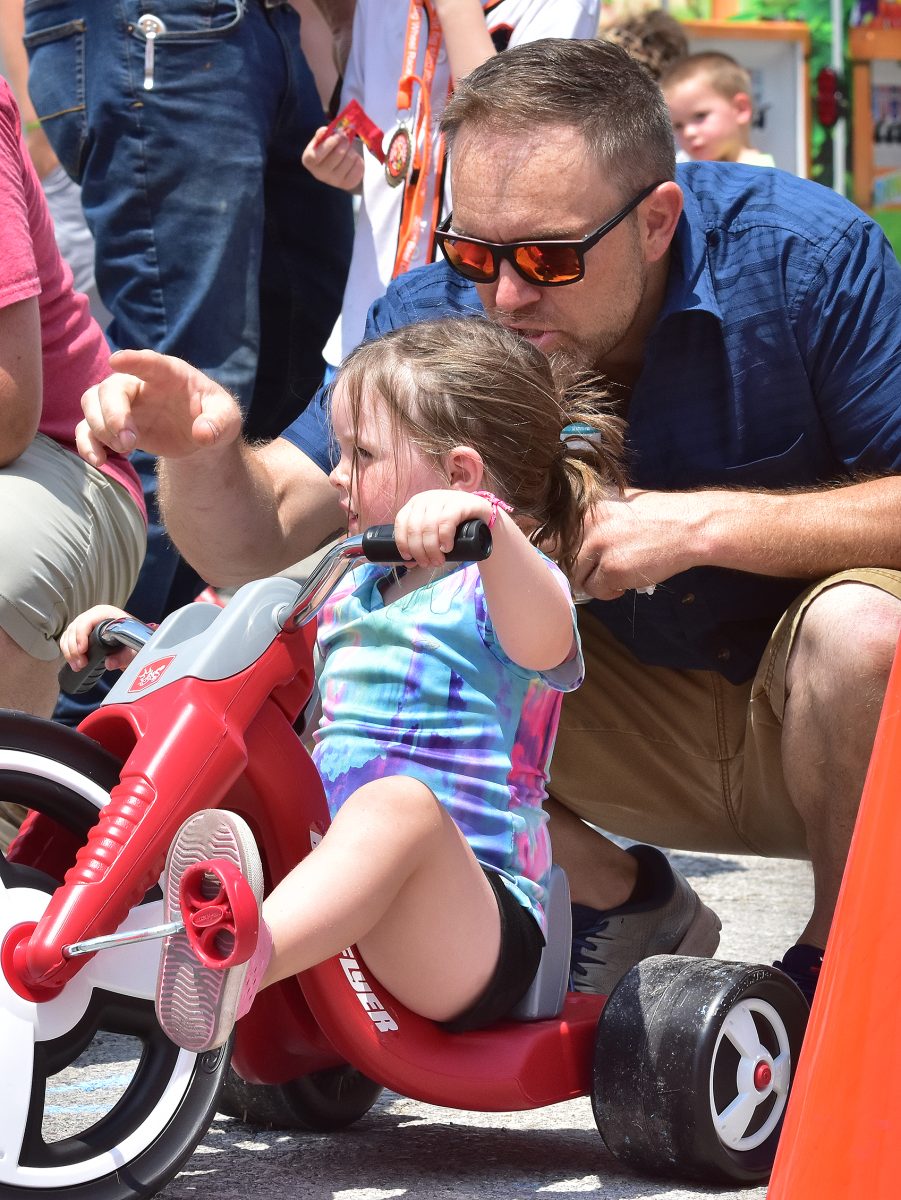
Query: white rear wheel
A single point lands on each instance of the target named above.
(61, 1136)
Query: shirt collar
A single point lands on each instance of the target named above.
(690, 284)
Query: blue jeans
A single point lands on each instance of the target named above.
(213, 242)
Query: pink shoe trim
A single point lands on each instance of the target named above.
(256, 969)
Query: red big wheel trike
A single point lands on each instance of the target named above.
(688, 1063)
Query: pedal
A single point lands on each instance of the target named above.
(220, 913)
(220, 918)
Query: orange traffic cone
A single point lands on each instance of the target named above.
(842, 1133)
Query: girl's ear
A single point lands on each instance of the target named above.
(464, 467)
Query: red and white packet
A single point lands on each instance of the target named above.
(353, 123)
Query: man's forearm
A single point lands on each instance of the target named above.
(803, 534)
(246, 513)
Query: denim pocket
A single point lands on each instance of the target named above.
(187, 20)
(56, 85)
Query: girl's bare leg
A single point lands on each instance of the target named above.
(394, 876)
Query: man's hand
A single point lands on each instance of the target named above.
(155, 403)
(637, 541)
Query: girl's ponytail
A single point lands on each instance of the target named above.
(588, 470)
(548, 439)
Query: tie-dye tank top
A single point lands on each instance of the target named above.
(421, 687)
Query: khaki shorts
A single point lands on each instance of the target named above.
(685, 759)
(71, 538)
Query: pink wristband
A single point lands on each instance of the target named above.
(496, 504)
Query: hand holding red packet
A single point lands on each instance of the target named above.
(353, 123)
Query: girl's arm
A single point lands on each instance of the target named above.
(530, 611)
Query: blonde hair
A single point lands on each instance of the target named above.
(727, 77)
(467, 381)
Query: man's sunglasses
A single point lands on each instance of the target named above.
(547, 263)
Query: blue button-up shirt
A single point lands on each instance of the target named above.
(775, 362)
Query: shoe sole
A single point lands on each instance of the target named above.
(196, 1005)
(702, 936)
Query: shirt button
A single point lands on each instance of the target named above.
(723, 655)
(688, 598)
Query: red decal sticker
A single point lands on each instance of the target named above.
(152, 673)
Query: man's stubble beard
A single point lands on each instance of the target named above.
(581, 354)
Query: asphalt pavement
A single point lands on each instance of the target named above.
(414, 1151)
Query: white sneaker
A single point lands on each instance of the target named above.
(196, 1005)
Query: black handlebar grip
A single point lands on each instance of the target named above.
(72, 682)
(471, 544)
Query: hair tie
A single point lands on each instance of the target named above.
(496, 504)
(579, 436)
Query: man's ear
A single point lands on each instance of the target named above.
(744, 109)
(465, 469)
(659, 215)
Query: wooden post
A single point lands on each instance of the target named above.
(866, 44)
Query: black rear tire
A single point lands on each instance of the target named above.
(321, 1102)
(694, 1060)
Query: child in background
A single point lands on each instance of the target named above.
(441, 688)
(654, 38)
(709, 98)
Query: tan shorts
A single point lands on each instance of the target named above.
(71, 538)
(685, 759)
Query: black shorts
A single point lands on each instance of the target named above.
(521, 945)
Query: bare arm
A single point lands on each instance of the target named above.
(21, 377)
(339, 16)
(247, 512)
(14, 65)
(235, 511)
(317, 44)
(13, 59)
(466, 35)
(649, 536)
(530, 611)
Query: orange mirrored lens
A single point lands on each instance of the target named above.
(548, 264)
(543, 263)
(474, 261)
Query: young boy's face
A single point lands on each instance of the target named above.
(708, 125)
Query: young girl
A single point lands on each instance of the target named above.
(441, 688)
